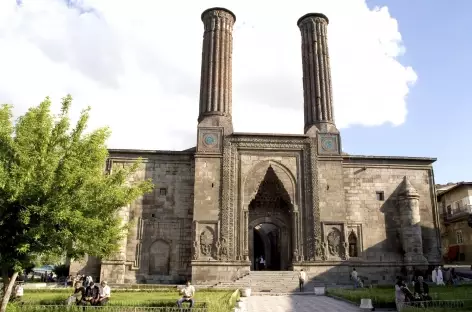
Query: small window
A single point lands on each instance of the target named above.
(163, 191)
(380, 195)
(459, 238)
(449, 210)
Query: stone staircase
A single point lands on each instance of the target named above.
(273, 282)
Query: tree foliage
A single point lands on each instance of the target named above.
(55, 196)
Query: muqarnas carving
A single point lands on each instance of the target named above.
(207, 242)
(411, 236)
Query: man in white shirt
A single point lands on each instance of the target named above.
(301, 279)
(187, 295)
(105, 293)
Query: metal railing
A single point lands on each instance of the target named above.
(460, 211)
(62, 308)
(443, 304)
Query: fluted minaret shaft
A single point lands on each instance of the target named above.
(317, 90)
(216, 80)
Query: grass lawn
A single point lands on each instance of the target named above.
(215, 301)
(384, 297)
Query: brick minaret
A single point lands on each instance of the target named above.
(318, 98)
(216, 82)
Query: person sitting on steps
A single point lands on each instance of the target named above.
(187, 295)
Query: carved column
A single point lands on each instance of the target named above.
(295, 237)
(216, 80)
(246, 238)
(317, 90)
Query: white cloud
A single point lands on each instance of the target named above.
(137, 63)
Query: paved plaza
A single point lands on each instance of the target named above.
(297, 304)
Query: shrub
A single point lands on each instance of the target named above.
(61, 270)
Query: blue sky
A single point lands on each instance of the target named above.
(438, 41)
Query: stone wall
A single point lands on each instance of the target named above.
(331, 189)
(87, 266)
(371, 203)
(157, 248)
(370, 274)
(159, 243)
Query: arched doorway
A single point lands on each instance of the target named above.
(270, 220)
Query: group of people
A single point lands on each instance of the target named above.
(444, 276)
(86, 292)
(404, 294)
(420, 294)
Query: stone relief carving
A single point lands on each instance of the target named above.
(345, 252)
(226, 205)
(220, 13)
(218, 247)
(224, 249)
(314, 192)
(318, 249)
(195, 251)
(334, 242)
(206, 242)
(324, 250)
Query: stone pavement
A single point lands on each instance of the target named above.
(297, 304)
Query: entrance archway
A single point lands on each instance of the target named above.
(270, 224)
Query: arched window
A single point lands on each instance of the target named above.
(352, 245)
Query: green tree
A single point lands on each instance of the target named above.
(55, 196)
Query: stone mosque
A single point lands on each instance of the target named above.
(296, 200)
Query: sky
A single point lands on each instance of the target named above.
(399, 67)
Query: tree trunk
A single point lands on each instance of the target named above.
(7, 293)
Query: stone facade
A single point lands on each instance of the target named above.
(297, 200)
(455, 205)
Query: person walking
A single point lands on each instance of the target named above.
(301, 280)
(354, 277)
(261, 263)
